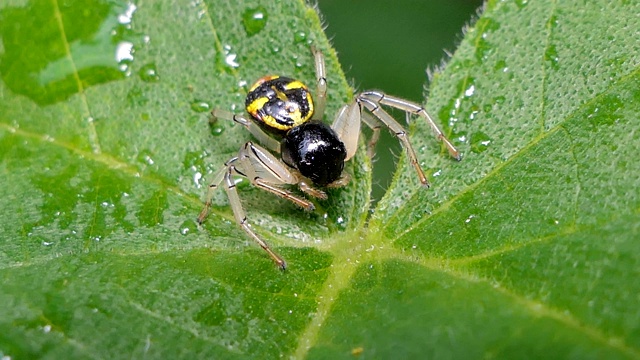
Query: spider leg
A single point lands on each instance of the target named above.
(254, 129)
(264, 171)
(374, 124)
(310, 190)
(217, 179)
(241, 218)
(398, 130)
(267, 172)
(380, 98)
(321, 89)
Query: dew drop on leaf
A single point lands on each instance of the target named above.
(227, 60)
(149, 73)
(300, 36)
(501, 65)
(217, 129)
(200, 106)
(145, 157)
(479, 142)
(551, 55)
(254, 20)
(187, 227)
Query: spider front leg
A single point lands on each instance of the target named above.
(373, 99)
(347, 126)
(264, 171)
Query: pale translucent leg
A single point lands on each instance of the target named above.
(321, 85)
(255, 130)
(375, 126)
(343, 180)
(380, 98)
(310, 190)
(264, 171)
(400, 133)
(217, 179)
(241, 218)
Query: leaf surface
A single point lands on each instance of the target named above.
(527, 247)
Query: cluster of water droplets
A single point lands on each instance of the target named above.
(126, 42)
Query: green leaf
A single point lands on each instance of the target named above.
(527, 247)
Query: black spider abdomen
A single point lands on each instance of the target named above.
(315, 150)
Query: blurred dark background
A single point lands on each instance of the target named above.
(388, 45)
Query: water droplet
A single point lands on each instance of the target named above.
(551, 55)
(479, 142)
(200, 106)
(227, 60)
(455, 108)
(254, 20)
(149, 73)
(194, 162)
(341, 222)
(501, 65)
(187, 227)
(125, 67)
(217, 129)
(475, 109)
(125, 17)
(299, 36)
(298, 64)
(197, 177)
(470, 90)
(100, 52)
(145, 157)
(124, 54)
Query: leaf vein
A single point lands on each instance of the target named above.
(535, 308)
(93, 134)
(521, 152)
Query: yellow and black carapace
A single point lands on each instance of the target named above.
(279, 103)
